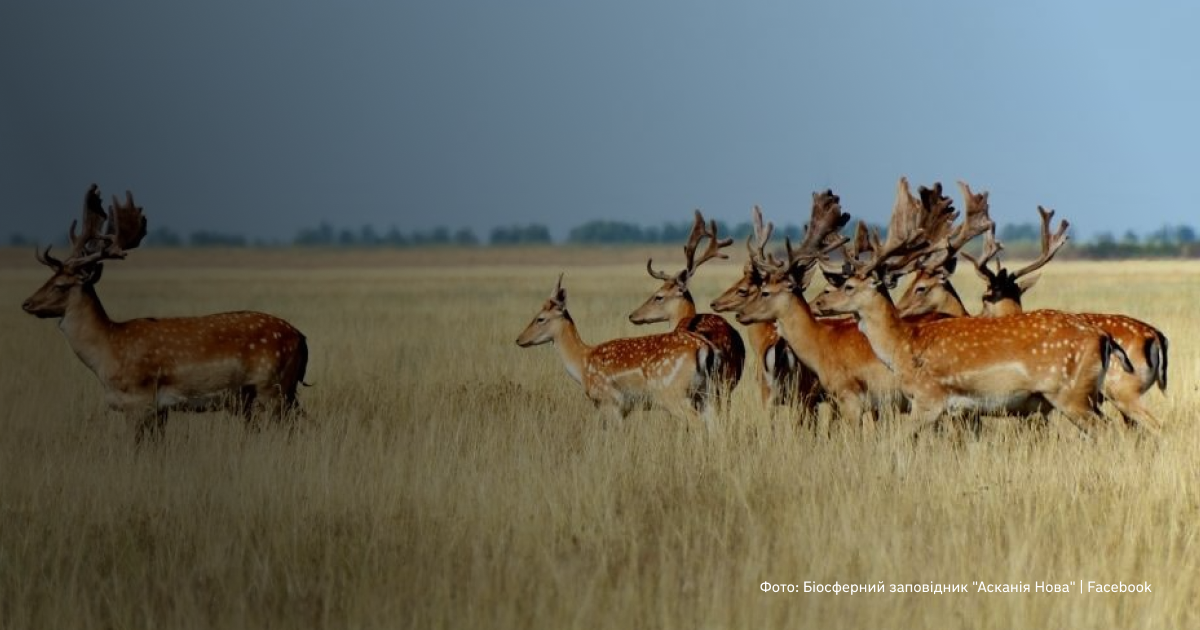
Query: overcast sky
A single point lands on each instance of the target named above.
(264, 117)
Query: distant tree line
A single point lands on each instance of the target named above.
(1019, 239)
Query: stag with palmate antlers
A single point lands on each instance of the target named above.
(679, 370)
(932, 291)
(783, 379)
(673, 303)
(833, 349)
(149, 366)
(981, 365)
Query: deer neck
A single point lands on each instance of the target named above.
(683, 313)
(762, 335)
(798, 326)
(87, 327)
(953, 306)
(887, 333)
(572, 349)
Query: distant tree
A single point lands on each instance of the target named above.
(18, 240)
(1185, 234)
(1015, 232)
(164, 237)
(532, 234)
(322, 235)
(465, 237)
(395, 238)
(346, 238)
(206, 238)
(607, 232)
(368, 237)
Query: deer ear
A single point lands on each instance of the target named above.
(1026, 283)
(682, 278)
(90, 274)
(887, 280)
(833, 277)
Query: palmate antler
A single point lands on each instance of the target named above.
(126, 227)
(906, 241)
(698, 233)
(1051, 243)
(821, 236)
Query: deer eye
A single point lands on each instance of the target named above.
(658, 298)
(742, 293)
(541, 319)
(922, 289)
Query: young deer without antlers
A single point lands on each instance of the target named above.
(148, 366)
(673, 303)
(678, 369)
(1145, 345)
(835, 350)
(965, 363)
(782, 378)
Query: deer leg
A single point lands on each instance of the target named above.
(1135, 413)
(151, 423)
(925, 410)
(1081, 412)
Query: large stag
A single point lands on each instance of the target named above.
(1145, 345)
(673, 303)
(148, 366)
(979, 364)
(677, 369)
(839, 354)
(782, 378)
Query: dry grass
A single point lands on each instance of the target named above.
(446, 478)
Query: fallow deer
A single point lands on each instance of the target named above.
(673, 303)
(930, 290)
(149, 366)
(1145, 344)
(976, 364)
(677, 369)
(782, 378)
(834, 349)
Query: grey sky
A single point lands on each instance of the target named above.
(264, 117)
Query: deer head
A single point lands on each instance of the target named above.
(126, 227)
(673, 298)
(930, 289)
(736, 296)
(871, 268)
(1004, 289)
(550, 319)
(786, 280)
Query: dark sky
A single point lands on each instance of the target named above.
(264, 117)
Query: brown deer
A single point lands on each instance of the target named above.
(930, 290)
(1145, 344)
(673, 303)
(965, 363)
(782, 378)
(677, 369)
(149, 366)
(834, 349)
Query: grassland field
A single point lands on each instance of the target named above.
(445, 478)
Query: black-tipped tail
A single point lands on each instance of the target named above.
(1156, 356)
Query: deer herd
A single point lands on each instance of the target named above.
(857, 349)
(852, 347)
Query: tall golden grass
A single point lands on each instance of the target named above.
(444, 477)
